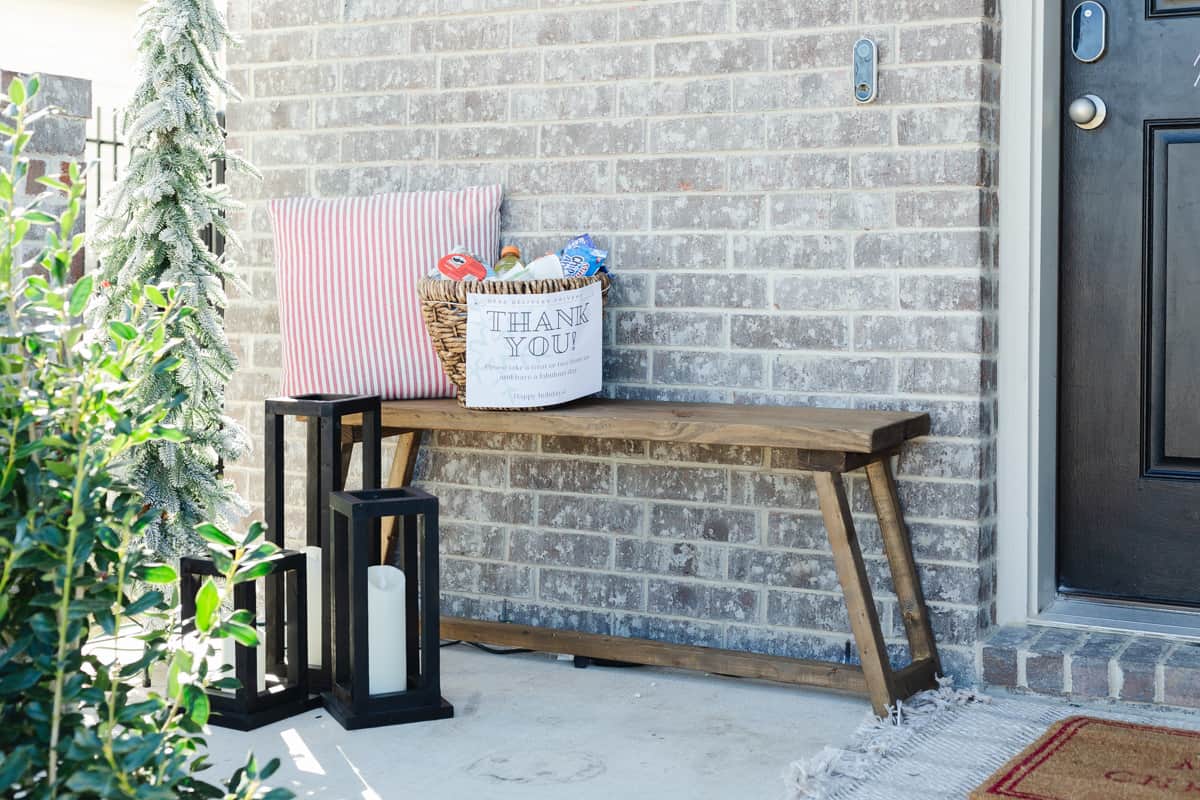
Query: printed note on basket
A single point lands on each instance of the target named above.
(533, 349)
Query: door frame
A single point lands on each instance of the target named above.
(1027, 362)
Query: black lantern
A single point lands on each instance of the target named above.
(326, 472)
(279, 688)
(358, 637)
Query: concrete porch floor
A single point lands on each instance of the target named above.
(531, 727)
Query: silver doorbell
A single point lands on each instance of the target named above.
(866, 70)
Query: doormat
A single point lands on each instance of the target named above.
(943, 745)
(1082, 758)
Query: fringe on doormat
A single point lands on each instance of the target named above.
(822, 776)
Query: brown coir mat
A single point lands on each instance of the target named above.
(1084, 758)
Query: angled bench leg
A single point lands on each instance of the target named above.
(905, 579)
(404, 463)
(860, 605)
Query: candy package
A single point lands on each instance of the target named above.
(581, 258)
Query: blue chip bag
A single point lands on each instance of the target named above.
(581, 258)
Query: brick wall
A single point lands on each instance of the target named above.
(57, 141)
(772, 241)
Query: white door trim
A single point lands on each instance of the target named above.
(1028, 309)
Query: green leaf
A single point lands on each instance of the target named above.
(80, 293)
(16, 91)
(212, 533)
(253, 572)
(198, 705)
(145, 602)
(122, 330)
(244, 634)
(207, 601)
(156, 296)
(158, 574)
(13, 765)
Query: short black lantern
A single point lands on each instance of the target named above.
(327, 464)
(409, 637)
(278, 688)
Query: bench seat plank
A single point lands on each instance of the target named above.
(816, 429)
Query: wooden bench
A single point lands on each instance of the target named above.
(829, 442)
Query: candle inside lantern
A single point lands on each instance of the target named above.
(386, 636)
(313, 604)
(229, 648)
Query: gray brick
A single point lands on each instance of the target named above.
(703, 601)
(344, 111)
(834, 293)
(943, 83)
(775, 332)
(669, 328)
(487, 142)
(832, 374)
(950, 125)
(708, 369)
(773, 490)
(1000, 653)
(797, 531)
(602, 213)
(564, 27)
(672, 483)
(789, 644)
(489, 69)
(294, 79)
(624, 366)
(920, 250)
(272, 115)
(288, 13)
(589, 513)
(593, 138)
(706, 133)
(960, 41)
(486, 441)
(400, 73)
(709, 57)
(448, 177)
(460, 503)
(686, 559)
(549, 177)
(1139, 664)
(553, 103)
(363, 10)
(571, 619)
(395, 144)
(947, 334)
(935, 458)
(591, 589)
(674, 19)
(340, 41)
(597, 448)
(832, 211)
(791, 172)
(600, 63)
(789, 91)
(706, 212)
(788, 252)
(792, 570)
(560, 475)
(700, 174)
(294, 148)
(825, 612)
(959, 208)
(474, 105)
(840, 129)
(672, 521)
(919, 168)
(784, 14)
(914, 10)
(690, 290)
(940, 376)
(668, 251)
(292, 45)
(701, 96)
(560, 549)
(1090, 664)
(944, 293)
(474, 541)
(463, 33)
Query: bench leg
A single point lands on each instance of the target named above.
(905, 579)
(408, 444)
(860, 605)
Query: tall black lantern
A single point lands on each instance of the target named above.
(285, 690)
(355, 521)
(326, 470)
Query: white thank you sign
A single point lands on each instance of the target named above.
(533, 349)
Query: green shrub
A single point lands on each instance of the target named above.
(71, 564)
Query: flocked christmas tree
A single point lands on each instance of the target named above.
(150, 231)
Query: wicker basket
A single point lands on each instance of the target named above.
(444, 307)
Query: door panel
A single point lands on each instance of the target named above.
(1129, 332)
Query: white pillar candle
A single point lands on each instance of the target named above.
(313, 604)
(229, 648)
(388, 650)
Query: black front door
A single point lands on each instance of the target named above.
(1129, 293)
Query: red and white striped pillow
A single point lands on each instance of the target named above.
(347, 272)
